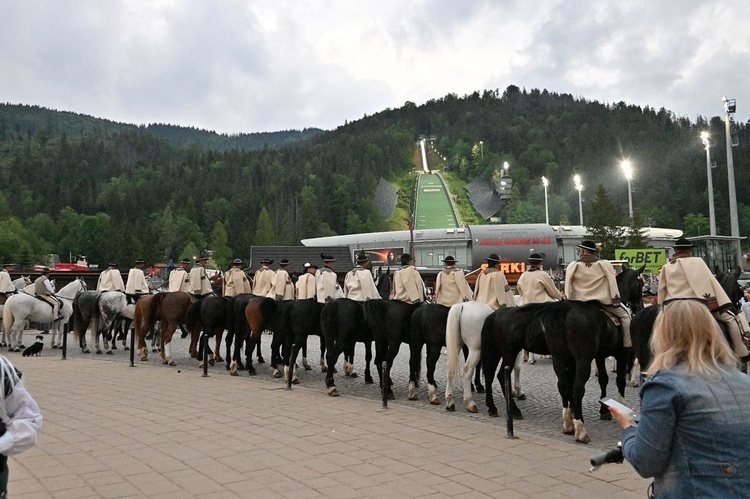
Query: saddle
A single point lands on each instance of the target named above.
(59, 303)
(615, 320)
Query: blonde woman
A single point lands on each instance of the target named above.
(694, 405)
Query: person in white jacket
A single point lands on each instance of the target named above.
(20, 419)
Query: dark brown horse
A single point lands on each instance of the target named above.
(258, 314)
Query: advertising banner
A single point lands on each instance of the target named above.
(653, 258)
(382, 256)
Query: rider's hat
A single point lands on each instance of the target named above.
(112, 264)
(186, 260)
(140, 261)
(309, 265)
(327, 257)
(535, 258)
(588, 245)
(284, 261)
(266, 261)
(236, 261)
(449, 260)
(46, 270)
(362, 257)
(683, 243)
(493, 258)
(7, 265)
(406, 258)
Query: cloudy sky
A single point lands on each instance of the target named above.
(246, 65)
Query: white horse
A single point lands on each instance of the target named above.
(22, 307)
(464, 327)
(19, 284)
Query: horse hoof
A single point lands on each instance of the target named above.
(568, 432)
(126, 348)
(144, 359)
(369, 380)
(606, 416)
(211, 362)
(295, 381)
(277, 374)
(193, 355)
(109, 352)
(332, 392)
(154, 350)
(252, 372)
(172, 363)
(323, 369)
(522, 396)
(492, 413)
(54, 346)
(308, 367)
(99, 352)
(480, 389)
(219, 358)
(165, 362)
(450, 408)
(472, 409)
(354, 375)
(391, 396)
(436, 401)
(85, 351)
(234, 373)
(517, 414)
(261, 360)
(586, 439)
(532, 362)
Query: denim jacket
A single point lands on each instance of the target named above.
(692, 435)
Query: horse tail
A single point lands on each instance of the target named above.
(7, 317)
(154, 310)
(77, 318)
(193, 316)
(453, 340)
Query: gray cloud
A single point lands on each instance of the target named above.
(237, 66)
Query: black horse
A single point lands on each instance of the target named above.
(345, 323)
(574, 333)
(730, 285)
(631, 288)
(304, 320)
(209, 316)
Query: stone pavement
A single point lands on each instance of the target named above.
(152, 431)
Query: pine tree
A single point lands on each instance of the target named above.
(264, 235)
(604, 225)
(635, 238)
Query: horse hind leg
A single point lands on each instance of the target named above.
(517, 390)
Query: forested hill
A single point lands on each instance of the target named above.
(35, 120)
(121, 193)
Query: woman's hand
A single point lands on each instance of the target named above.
(623, 419)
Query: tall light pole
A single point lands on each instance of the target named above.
(711, 213)
(627, 169)
(481, 149)
(730, 106)
(579, 188)
(545, 182)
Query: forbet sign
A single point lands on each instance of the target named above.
(653, 258)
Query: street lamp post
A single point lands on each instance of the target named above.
(545, 182)
(730, 106)
(711, 213)
(628, 170)
(579, 188)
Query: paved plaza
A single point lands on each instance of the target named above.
(111, 430)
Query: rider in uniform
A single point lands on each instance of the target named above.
(687, 277)
(358, 283)
(6, 284)
(136, 285)
(408, 285)
(282, 288)
(592, 279)
(236, 281)
(306, 282)
(110, 279)
(326, 286)
(43, 288)
(492, 287)
(263, 280)
(535, 285)
(200, 286)
(450, 285)
(179, 279)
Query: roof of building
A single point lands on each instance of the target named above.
(483, 198)
(299, 255)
